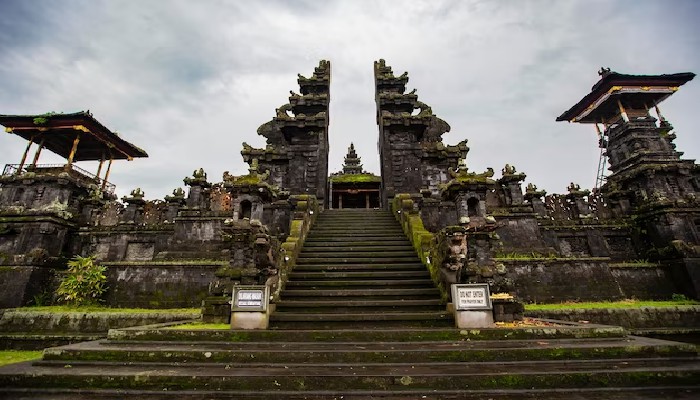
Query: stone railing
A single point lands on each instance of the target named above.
(424, 242)
(566, 209)
(74, 171)
(305, 209)
(459, 253)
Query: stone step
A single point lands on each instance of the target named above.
(347, 213)
(311, 249)
(607, 393)
(373, 225)
(358, 274)
(358, 238)
(348, 267)
(414, 335)
(364, 352)
(349, 259)
(404, 292)
(386, 220)
(345, 232)
(306, 254)
(365, 283)
(285, 321)
(382, 219)
(355, 306)
(400, 242)
(365, 236)
(388, 377)
(357, 224)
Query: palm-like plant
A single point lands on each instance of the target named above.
(84, 283)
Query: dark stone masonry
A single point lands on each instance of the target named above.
(637, 235)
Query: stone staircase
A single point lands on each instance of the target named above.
(358, 267)
(360, 319)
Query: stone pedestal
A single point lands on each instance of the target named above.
(474, 319)
(251, 319)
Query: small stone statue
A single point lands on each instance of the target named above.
(573, 188)
(137, 193)
(199, 174)
(508, 170)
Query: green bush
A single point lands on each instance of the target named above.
(84, 283)
(679, 297)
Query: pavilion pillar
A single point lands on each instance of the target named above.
(38, 152)
(99, 167)
(658, 112)
(72, 152)
(109, 168)
(340, 201)
(623, 113)
(367, 200)
(24, 156)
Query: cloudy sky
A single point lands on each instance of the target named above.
(189, 81)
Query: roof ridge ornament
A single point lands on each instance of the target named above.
(604, 72)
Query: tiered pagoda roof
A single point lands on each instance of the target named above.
(635, 91)
(58, 131)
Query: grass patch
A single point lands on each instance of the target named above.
(356, 178)
(97, 308)
(610, 304)
(15, 356)
(200, 326)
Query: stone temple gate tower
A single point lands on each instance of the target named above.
(411, 153)
(296, 154)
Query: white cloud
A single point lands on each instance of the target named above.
(190, 81)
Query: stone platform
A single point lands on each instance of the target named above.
(571, 361)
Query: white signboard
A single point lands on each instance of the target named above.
(471, 296)
(249, 298)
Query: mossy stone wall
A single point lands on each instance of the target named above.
(642, 317)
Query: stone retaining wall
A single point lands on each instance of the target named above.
(174, 284)
(586, 279)
(633, 318)
(21, 321)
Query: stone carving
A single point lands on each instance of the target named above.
(177, 194)
(284, 110)
(270, 131)
(199, 177)
(137, 193)
(462, 174)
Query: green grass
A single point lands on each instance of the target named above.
(610, 304)
(15, 356)
(200, 326)
(90, 309)
(356, 178)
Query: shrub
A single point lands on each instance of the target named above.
(84, 283)
(679, 297)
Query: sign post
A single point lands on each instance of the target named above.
(250, 307)
(472, 305)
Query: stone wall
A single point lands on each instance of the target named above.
(552, 281)
(80, 322)
(19, 284)
(635, 318)
(160, 284)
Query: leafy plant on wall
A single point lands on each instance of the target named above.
(84, 282)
